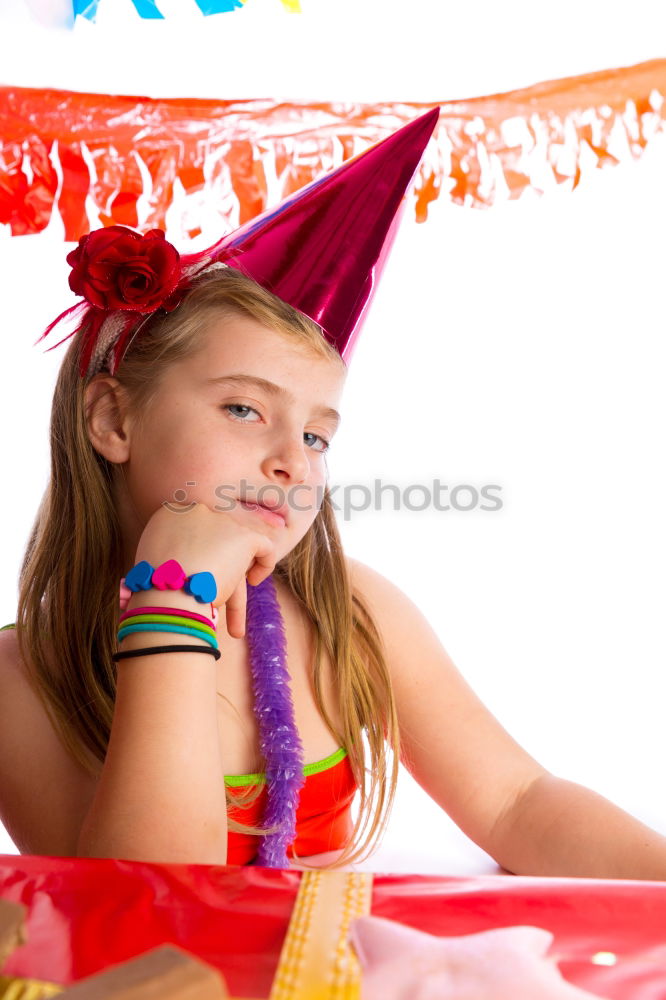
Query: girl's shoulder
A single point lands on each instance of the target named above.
(44, 793)
(396, 616)
(411, 644)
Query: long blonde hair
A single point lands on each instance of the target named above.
(77, 530)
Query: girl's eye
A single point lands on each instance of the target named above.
(325, 443)
(241, 406)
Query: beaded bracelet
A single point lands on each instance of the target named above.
(170, 575)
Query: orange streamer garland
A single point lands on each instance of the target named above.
(103, 160)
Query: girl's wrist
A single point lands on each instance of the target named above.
(155, 598)
(172, 599)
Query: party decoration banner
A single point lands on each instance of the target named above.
(149, 9)
(142, 162)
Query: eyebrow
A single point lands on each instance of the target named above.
(273, 390)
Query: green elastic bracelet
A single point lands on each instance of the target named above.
(129, 629)
(167, 619)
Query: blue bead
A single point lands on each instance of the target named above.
(139, 576)
(202, 586)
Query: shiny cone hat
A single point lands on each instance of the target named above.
(321, 251)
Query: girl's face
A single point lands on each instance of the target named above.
(247, 417)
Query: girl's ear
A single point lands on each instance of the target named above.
(107, 418)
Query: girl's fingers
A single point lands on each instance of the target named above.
(236, 608)
(257, 574)
(263, 563)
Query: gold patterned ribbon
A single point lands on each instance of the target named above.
(317, 962)
(27, 989)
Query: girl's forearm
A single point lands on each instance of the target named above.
(161, 795)
(560, 828)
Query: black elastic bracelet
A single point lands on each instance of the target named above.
(166, 649)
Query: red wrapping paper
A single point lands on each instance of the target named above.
(127, 160)
(85, 914)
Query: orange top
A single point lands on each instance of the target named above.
(323, 817)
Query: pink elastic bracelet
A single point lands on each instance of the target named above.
(166, 611)
(126, 593)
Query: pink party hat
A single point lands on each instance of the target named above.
(321, 251)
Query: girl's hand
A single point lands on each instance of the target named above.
(204, 540)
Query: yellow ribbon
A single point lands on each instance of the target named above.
(316, 961)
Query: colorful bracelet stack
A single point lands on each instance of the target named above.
(169, 576)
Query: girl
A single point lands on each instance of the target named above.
(189, 467)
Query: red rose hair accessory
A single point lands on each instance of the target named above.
(123, 277)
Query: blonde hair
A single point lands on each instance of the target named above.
(77, 530)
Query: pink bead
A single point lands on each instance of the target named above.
(169, 576)
(125, 594)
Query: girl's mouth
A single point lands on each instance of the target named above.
(270, 516)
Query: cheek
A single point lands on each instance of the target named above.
(169, 469)
(304, 500)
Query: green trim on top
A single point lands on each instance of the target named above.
(13, 625)
(238, 780)
(323, 765)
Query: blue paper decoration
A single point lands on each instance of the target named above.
(147, 9)
(144, 8)
(86, 8)
(217, 6)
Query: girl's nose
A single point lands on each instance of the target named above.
(290, 458)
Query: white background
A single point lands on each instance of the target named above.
(521, 346)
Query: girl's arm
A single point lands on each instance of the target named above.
(560, 828)
(161, 795)
(529, 821)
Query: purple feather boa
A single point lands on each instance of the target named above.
(279, 740)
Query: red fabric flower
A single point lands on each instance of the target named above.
(116, 268)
